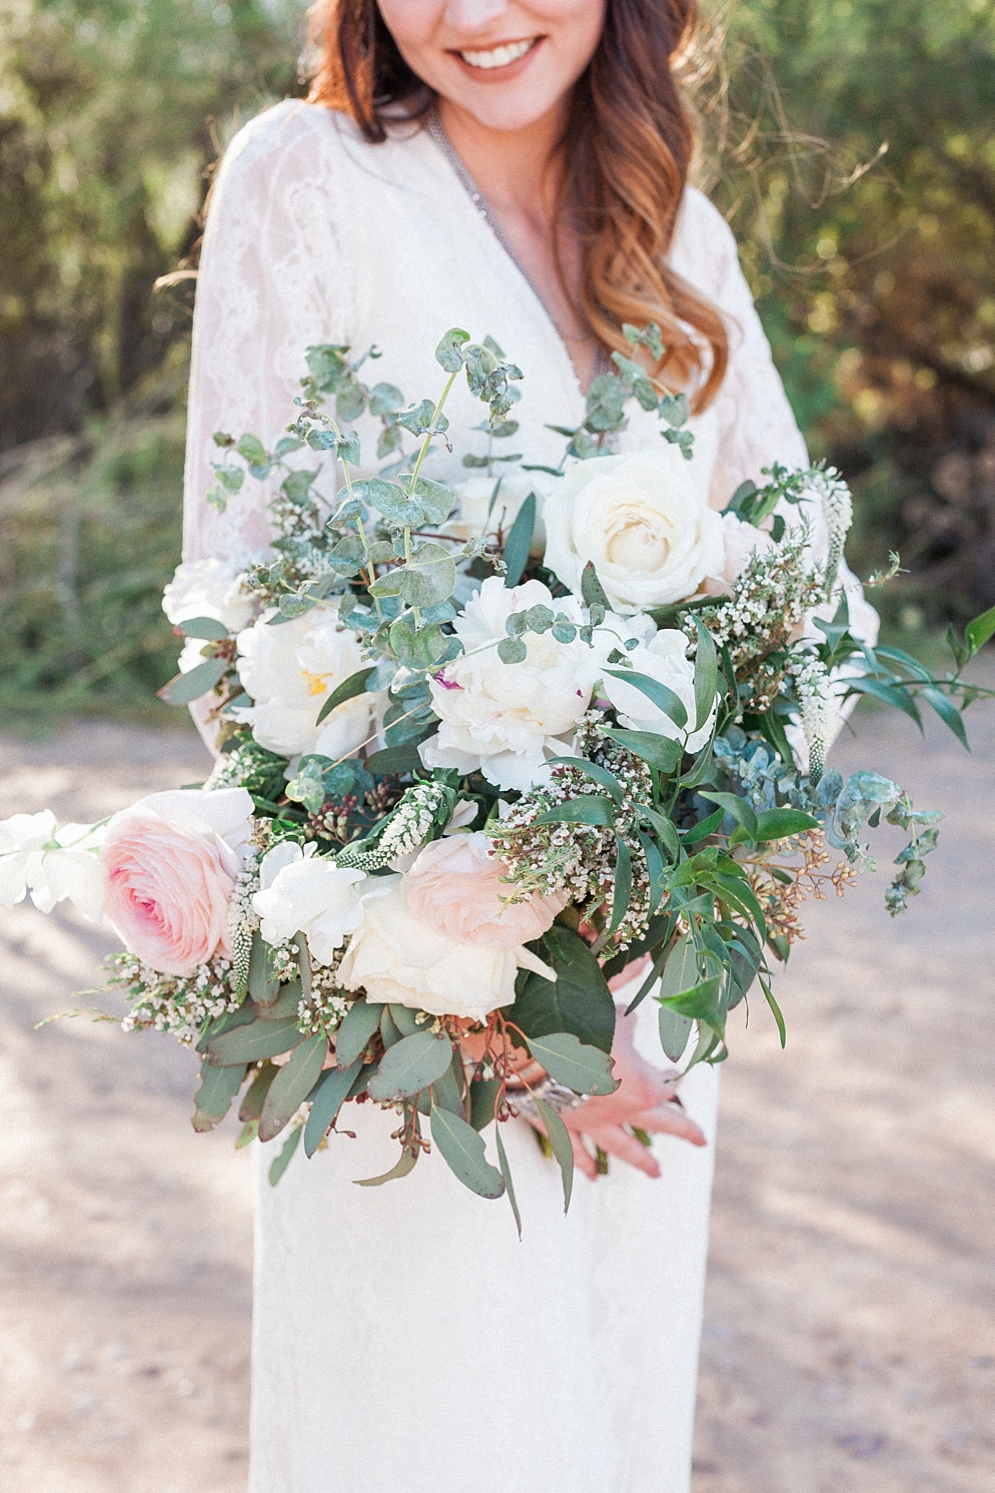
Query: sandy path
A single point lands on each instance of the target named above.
(850, 1337)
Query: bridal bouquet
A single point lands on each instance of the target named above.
(480, 748)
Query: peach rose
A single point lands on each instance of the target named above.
(456, 887)
(171, 862)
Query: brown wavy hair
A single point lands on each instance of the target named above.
(626, 153)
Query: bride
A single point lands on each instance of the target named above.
(519, 168)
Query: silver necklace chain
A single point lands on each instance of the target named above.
(437, 131)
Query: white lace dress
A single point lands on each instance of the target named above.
(403, 1338)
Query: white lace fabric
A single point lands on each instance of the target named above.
(403, 1338)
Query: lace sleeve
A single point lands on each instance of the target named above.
(275, 276)
(756, 424)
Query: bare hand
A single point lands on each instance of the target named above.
(646, 1099)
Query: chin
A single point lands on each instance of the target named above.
(500, 109)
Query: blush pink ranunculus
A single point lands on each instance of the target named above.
(456, 887)
(171, 868)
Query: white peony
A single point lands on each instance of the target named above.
(664, 659)
(289, 670)
(208, 588)
(395, 956)
(507, 719)
(490, 505)
(644, 522)
(51, 863)
(301, 892)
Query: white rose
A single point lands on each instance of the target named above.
(490, 505)
(289, 670)
(209, 588)
(664, 659)
(506, 719)
(301, 892)
(395, 956)
(52, 863)
(644, 522)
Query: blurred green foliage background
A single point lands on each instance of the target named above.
(850, 142)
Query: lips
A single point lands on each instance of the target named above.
(500, 56)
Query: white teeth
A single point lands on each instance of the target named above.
(499, 56)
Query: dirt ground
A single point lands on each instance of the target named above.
(850, 1324)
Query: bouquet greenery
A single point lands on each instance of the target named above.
(481, 749)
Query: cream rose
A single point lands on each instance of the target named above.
(506, 719)
(171, 862)
(664, 659)
(456, 887)
(739, 542)
(289, 670)
(301, 892)
(642, 520)
(397, 956)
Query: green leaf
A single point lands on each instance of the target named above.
(385, 399)
(512, 651)
(506, 1174)
(483, 1097)
(702, 1002)
(776, 1010)
(622, 890)
(447, 1091)
(328, 1098)
(264, 982)
(429, 578)
(662, 697)
(743, 812)
(417, 647)
(287, 1003)
(410, 1065)
(292, 1085)
(586, 808)
(218, 1087)
(255, 1094)
(779, 824)
(888, 694)
(244, 1016)
(448, 352)
(357, 1027)
(516, 549)
(674, 1032)
(706, 674)
(948, 713)
(248, 1133)
(681, 968)
(659, 751)
(347, 690)
(434, 499)
(405, 1164)
(249, 1044)
(208, 628)
(577, 1001)
(980, 630)
(559, 1139)
(396, 759)
(251, 448)
(279, 1166)
(664, 829)
(463, 1150)
(586, 1070)
(705, 828)
(185, 688)
(655, 870)
(591, 589)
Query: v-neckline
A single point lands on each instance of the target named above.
(436, 132)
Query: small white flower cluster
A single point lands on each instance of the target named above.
(407, 828)
(580, 858)
(820, 711)
(170, 1003)
(243, 921)
(825, 486)
(770, 597)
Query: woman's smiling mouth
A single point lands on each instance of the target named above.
(501, 56)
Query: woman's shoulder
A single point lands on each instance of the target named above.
(703, 248)
(292, 127)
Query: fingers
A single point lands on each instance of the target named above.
(583, 1157)
(670, 1119)
(618, 1142)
